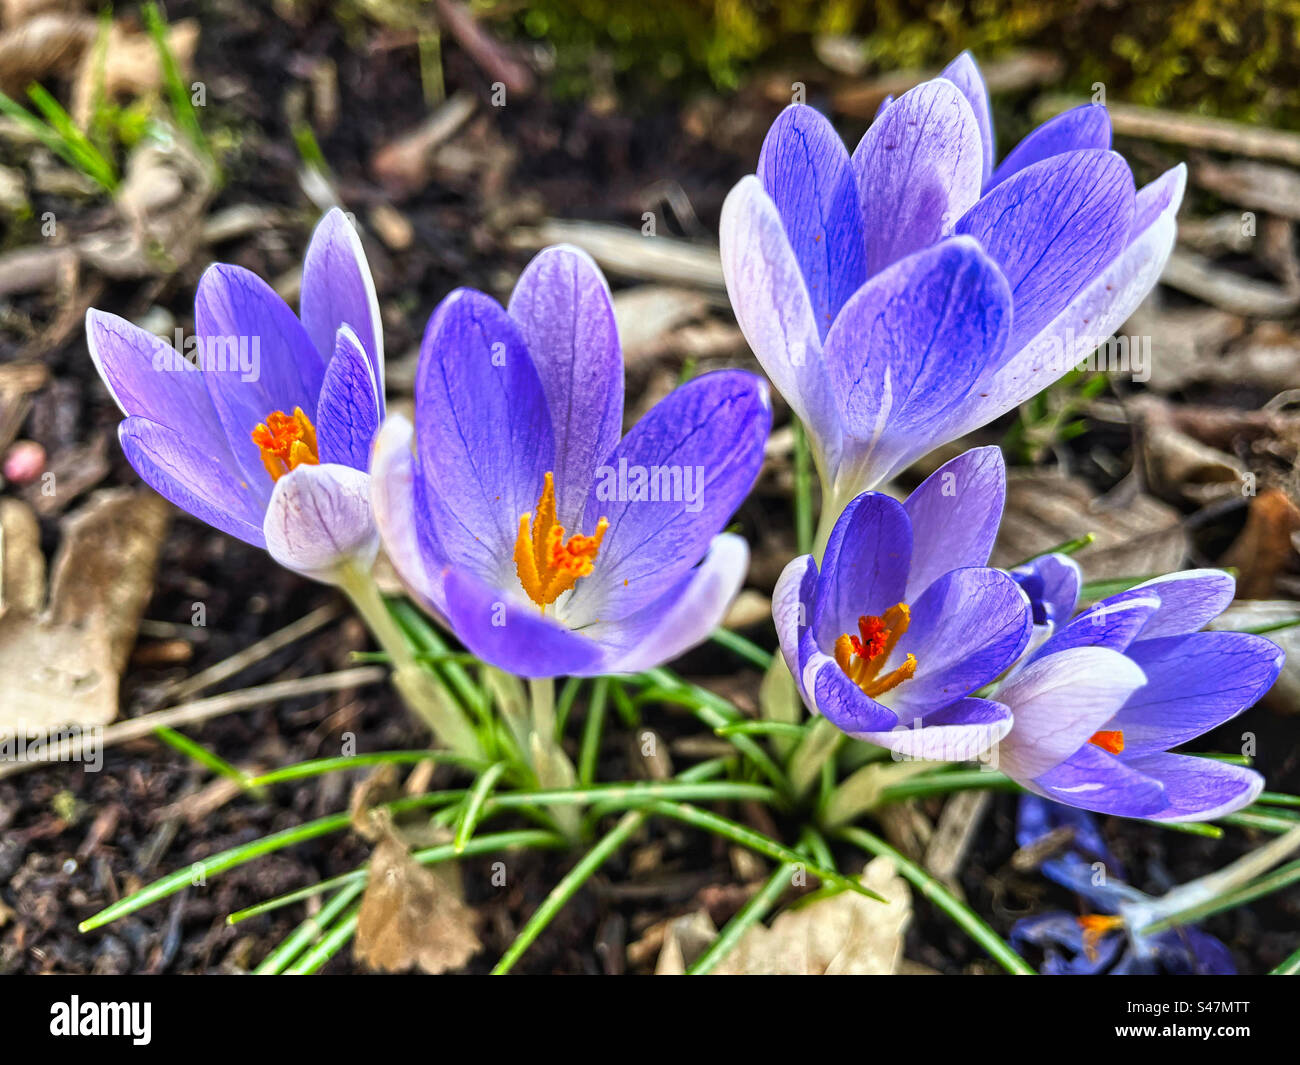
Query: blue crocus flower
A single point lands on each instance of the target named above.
(1104, 941)
(903, 621)
(517, 512)
(262, 425)
(911, 292)
(1103, 697)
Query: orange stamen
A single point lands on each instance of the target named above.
(863, 656)
(1113, 742)
(286, 442)
(1096, 925)
(547, 564)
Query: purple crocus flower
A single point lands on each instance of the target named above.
(903, 620)
(910, 293)
(1102, 699)
(1104, 941)
(522, 517)
(266, 433)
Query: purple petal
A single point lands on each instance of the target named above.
(149, 378)
(908, 346)
(562, 306)
(235, 310)
(515, 636)
(1052, 583)
(864, 569)
(1086, 126)
(1113, 623)
(1058, 703)
(337, 289)
(805, 169)
(775, 312)
(955, 514)
(1096, 311)
(792, 605)
(348, 412)
(1093, 780)
(1189, 601)
(392, 497)
(958, 732)
(966, 628)
(1051, 228)
(841, 701)
(668, 489)
(483, 431)
(197, 482)
(1198, 789)
(1194, 683)
(682, 617)
(964, 72)
(919, 168)
(319, 519)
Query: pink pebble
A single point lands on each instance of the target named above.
(24, 462)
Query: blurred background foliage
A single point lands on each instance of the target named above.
(1230, 58)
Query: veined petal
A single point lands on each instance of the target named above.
(1097, 310)
(1189, 600)
(920, 168)
(1086, 126)
(257, 358)
(197, 481)
(562, 306)
(841, 701)
(337, 290)
(1114, 623)
(958, 732)
(409, 541)
(964, 72)
(1051, 228)
(955, 514)
(1194, 683)
(774, 310)
(907, 347)
(1091, 779)
(966, 628)
(805, 169)
(792, 606)
(682, 617)
(1198, 789)
(1058, 703)
(348, 411)
(865, 566)
(319, 518)
(668, 489)
(484, 435)
(514, 635)
(149, 378)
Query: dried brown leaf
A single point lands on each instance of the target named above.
(410, 916)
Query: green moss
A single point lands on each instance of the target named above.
(1233, 58)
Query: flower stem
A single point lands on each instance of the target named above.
(417, 685)
(550, 763)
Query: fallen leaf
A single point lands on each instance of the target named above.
(1136, 535)
(1265, 549)
(1284, 696)
(845, 934)
(410, 916)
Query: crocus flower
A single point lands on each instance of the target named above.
(545, 539)
(266, 433)
(912, 292)
(1108, 940)
(1101, 701)
(903, 620)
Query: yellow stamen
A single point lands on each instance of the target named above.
(547, 565)
(1096, 925)
(286, 442)
(863, 656)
